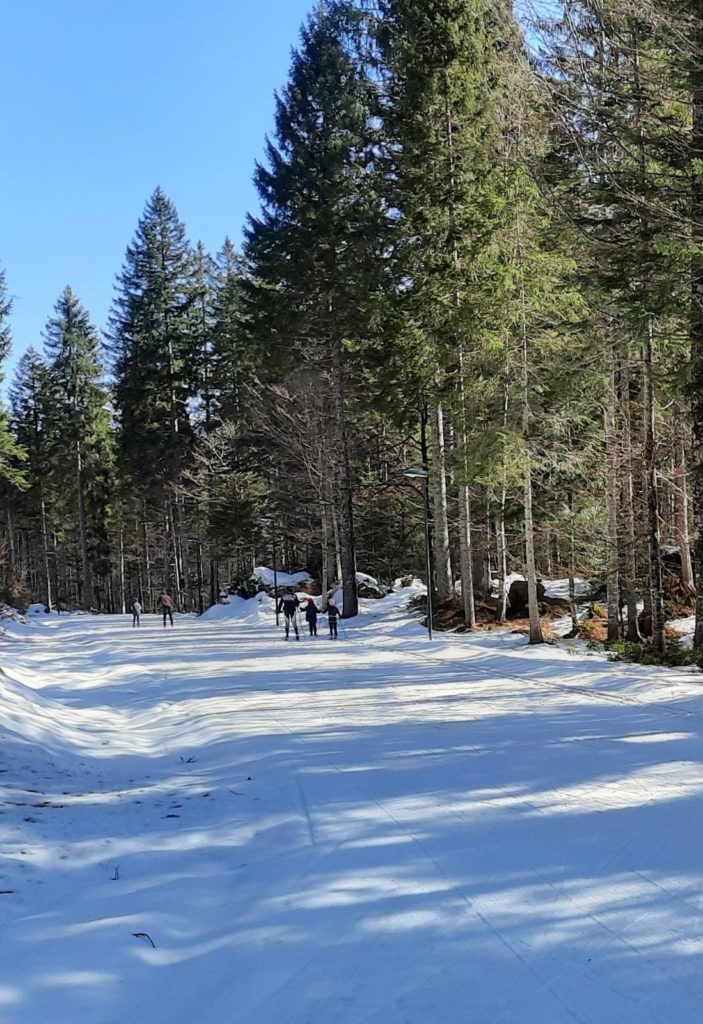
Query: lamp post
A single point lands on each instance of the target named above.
(418, 473)
(271, 521)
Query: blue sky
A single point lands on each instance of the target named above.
(105, 99)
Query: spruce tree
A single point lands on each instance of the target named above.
(310, 254)
(33, 400)
(444, 76)
(155, 349)
(82, 446)
(11, 454)
(156, 344)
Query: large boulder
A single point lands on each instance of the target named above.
(368, 587)
(518, 596)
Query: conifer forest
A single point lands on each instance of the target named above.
(478, 250)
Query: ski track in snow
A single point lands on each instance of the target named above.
(381, 830)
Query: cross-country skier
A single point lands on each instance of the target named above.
(288, 604)
(166, 605)
(311, 616)
(333, 614)
(136, 613)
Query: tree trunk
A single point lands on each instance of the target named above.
(536, 635)
(346, 506)
(123, 585)
(629, 555)
(656, 582)
(466, 557)
(682, 523)
(466, 552)
(45, 551)
(87, 595)
(442, 554)
(611, 507)
(502, 551)
(147, 557)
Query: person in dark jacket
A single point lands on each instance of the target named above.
(288, 604)
(311, 616)
(333, 614)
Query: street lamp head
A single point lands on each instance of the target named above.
(416, 473)
(266, 520)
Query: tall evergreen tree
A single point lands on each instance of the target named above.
(82, 447)
(10, 454)
(33, 401)
(310, 254)
(445, 83)
(156, 344)
(155, 349)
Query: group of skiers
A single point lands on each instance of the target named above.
(165, 609)
(289, 604)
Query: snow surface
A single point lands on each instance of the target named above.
(373, 831)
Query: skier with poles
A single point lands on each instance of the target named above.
(311, 616)
(288, 604)
(136, 613)
(166, 606)
(333, 615)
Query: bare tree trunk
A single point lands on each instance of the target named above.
(147, 557)
(654, 534)
(466, 552)
(45, 551)
(87, 595)
(500, 520)
(199, 570)
(466, 557)
(502, 563)
(572, 568)
(442, 553)
(682, 519)
(337, 549)
(611, 506)
(629, 556)
(536, 635)
(11, 541)
(123, 585)
(346, 507)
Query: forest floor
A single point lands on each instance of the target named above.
(209, 824)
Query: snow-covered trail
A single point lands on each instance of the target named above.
(378, 830)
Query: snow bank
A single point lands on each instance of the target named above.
(400, 584)
(240, 609)
(37, 609)
(265, 576)
(686, 627)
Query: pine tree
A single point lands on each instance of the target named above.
(33, 400)
(11, 454)
(82, 448)
(155, 349)
(310, 254)
(234, 362)
(445, 83)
